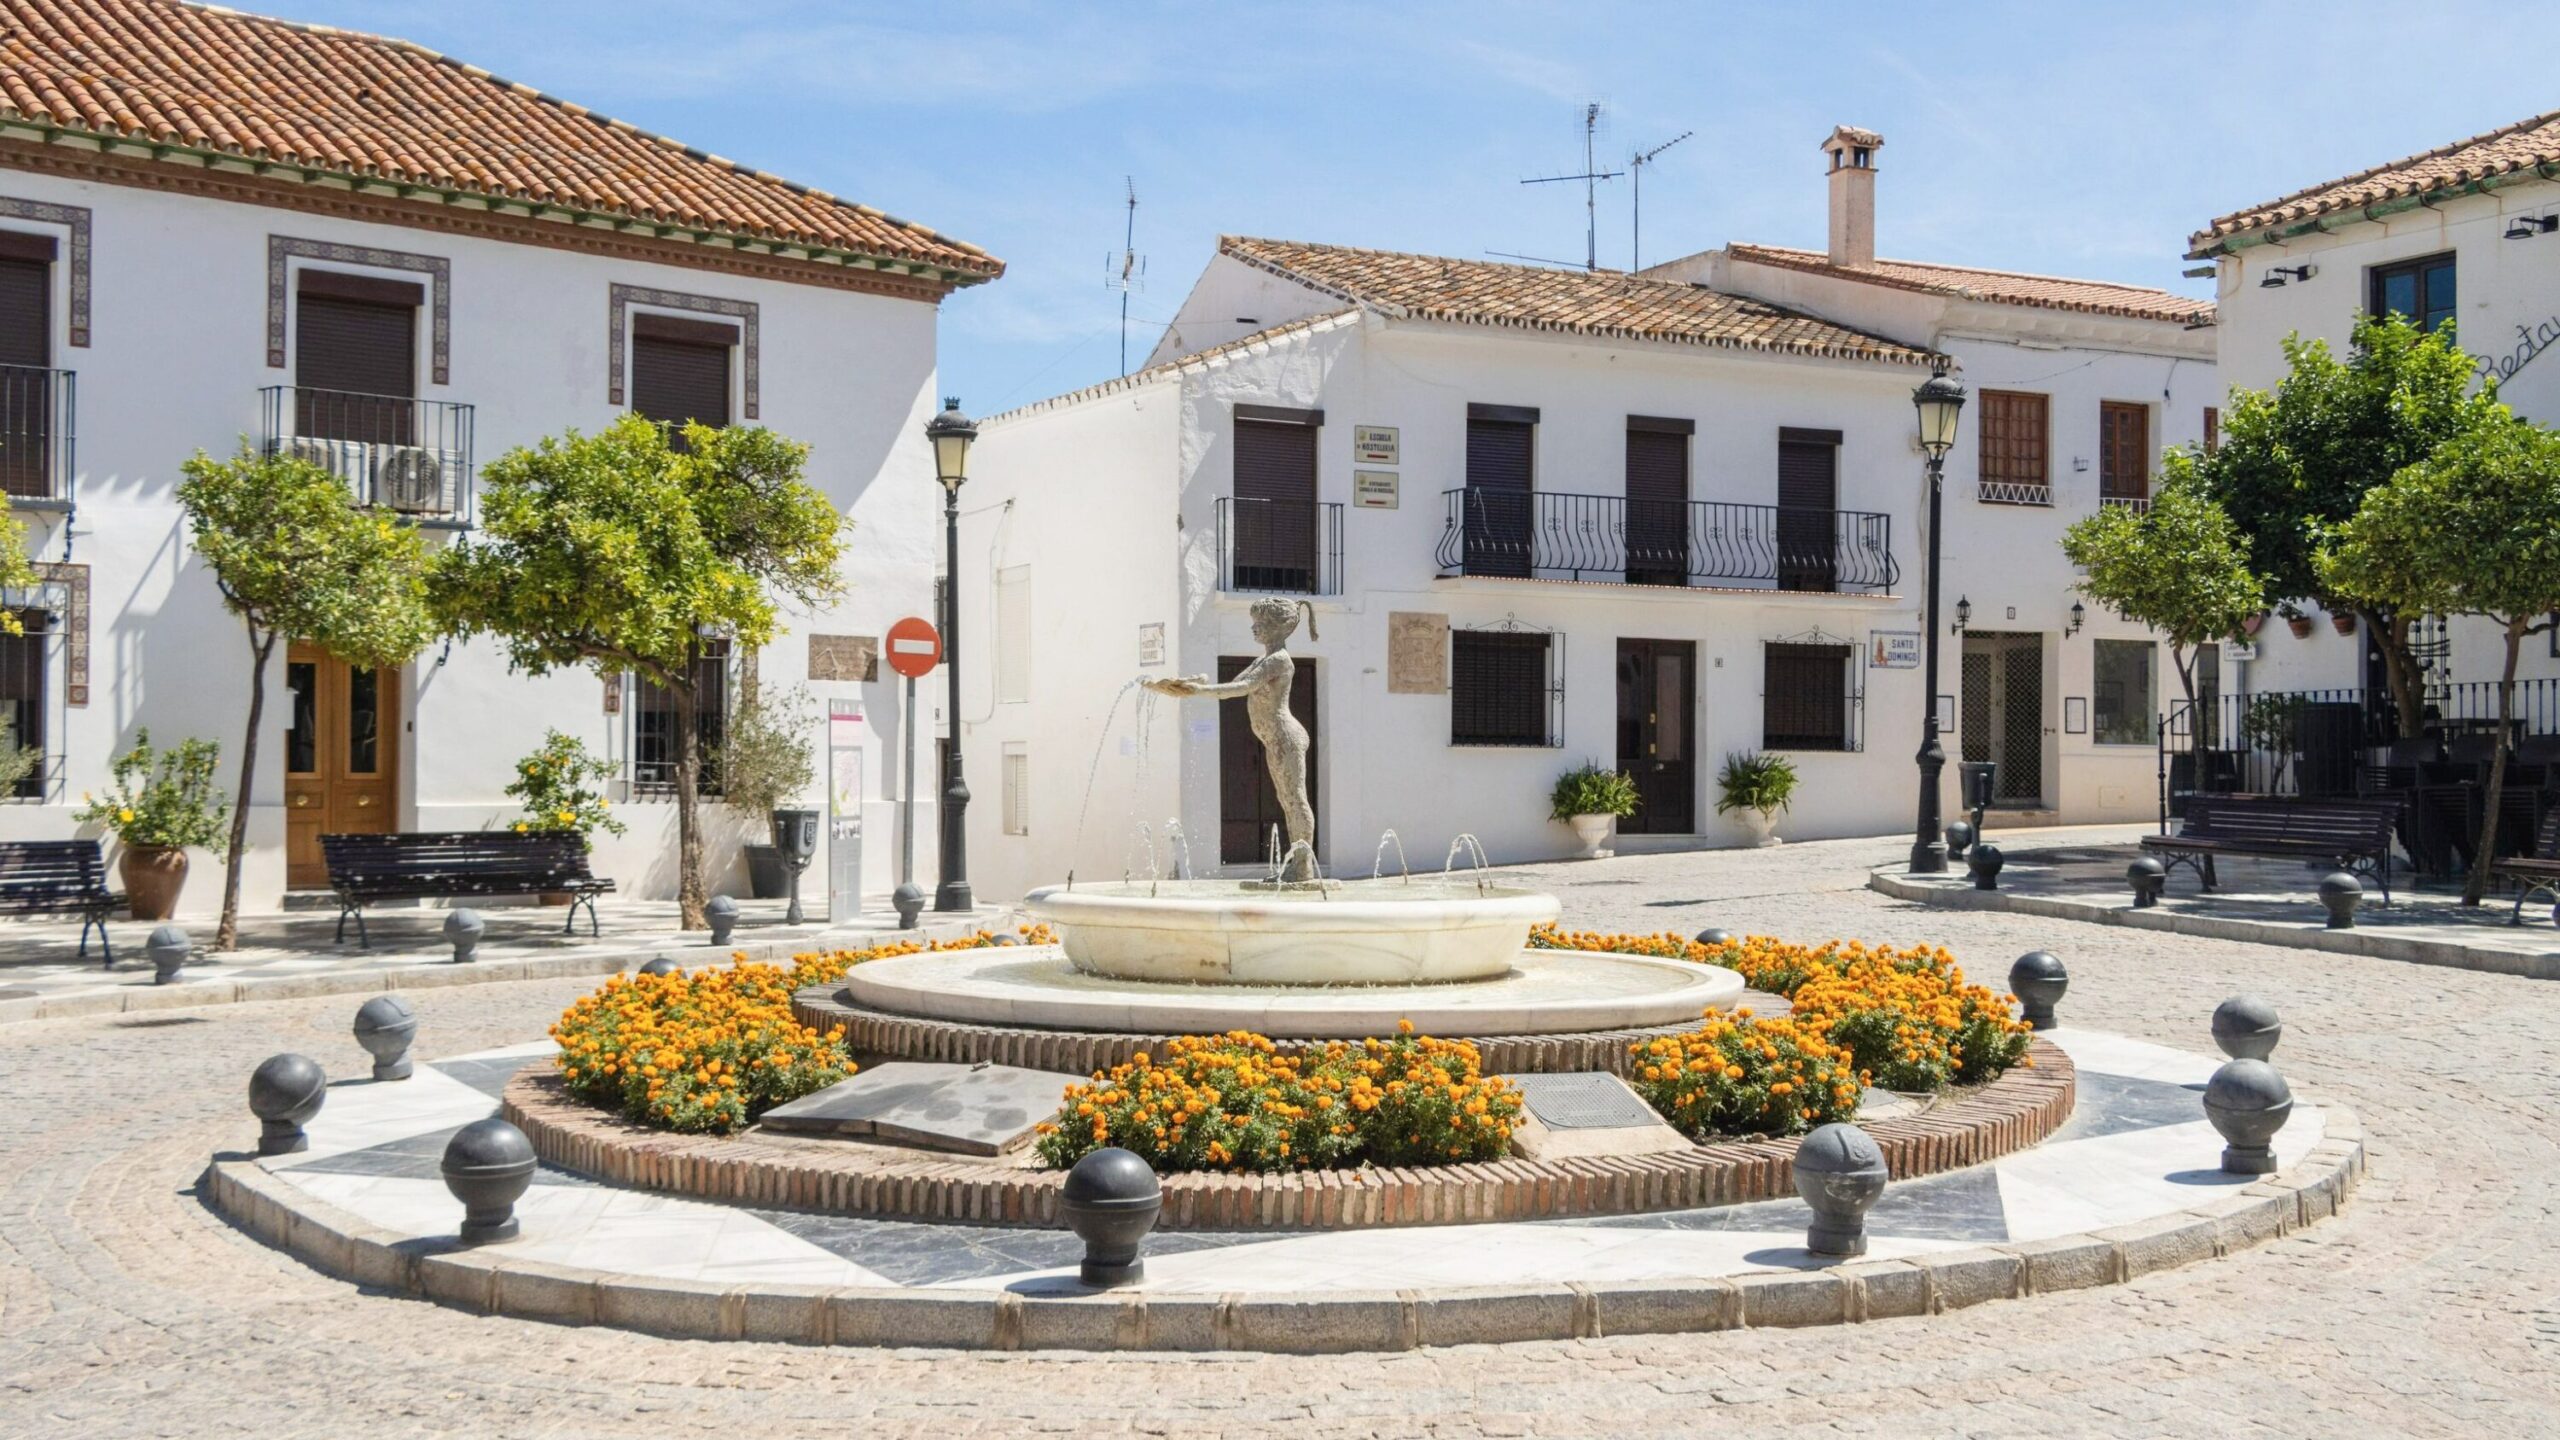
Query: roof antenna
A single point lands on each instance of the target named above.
(1635, 168)
(1125, 270)
(1590, 177)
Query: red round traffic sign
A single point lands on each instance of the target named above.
(915, 647)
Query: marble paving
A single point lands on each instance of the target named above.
(2136, 1146)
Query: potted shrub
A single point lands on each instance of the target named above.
(2296, 621)
(561, 787)
(1759, 785)
(2253, 624)
(161, 804)
(1592, 800)
(770, 759)
(2343, 621)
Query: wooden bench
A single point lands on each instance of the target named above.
(2537, 873)
(456, 863)
(2355, 834)
(48, 877)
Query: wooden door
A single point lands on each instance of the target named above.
(2124, 451)
(341, 756)
(1248, 804)
(1657, 728)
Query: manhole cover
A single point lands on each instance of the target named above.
(1583, 1100)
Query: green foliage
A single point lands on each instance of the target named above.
(561, 787)
(16, 573)
(294, 554)
(161, 797)
(771, 757)
(1590, 790)
(1755, 781)
(2181, 567)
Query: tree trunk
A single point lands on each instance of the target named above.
(226, 936)
(2475, 883)
(2186, 676)
(2400, 670)
(690, 893)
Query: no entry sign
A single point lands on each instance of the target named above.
(915, 647)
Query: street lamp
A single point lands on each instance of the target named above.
(1940, 401)
(951, 433)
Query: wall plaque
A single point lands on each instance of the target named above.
(1375, 444)
(1373, 489)
(1417, 653)
(844, 657)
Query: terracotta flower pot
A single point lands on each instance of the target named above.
(2301, 625)
(2253, 624)
(2342, 621)
(152, 875)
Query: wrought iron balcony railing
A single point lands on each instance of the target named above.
(1281, 547)
(38, 414)
(2013, 492)
(2135, 503)
(412, 456)
(1543, 535)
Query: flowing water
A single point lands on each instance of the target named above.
(1468, 843)
(1093, 772)
(1378, 861)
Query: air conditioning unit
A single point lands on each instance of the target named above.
(411, 478)
(343, 458)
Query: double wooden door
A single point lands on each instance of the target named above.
(341, 756)
(1657, 731)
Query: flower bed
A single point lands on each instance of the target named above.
(1232, 1102)
(828, 968)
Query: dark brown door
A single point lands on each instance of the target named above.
(1248, 803)
(341, 757)
(26, 382)
(1808, 511)
(2124, 451)
(1657, 731)
(1275, 505)
(1500, 479)
(1657, 506)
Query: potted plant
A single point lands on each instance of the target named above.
(2253, 624)
(2343, 621)
(2295, 620)
(561, 787)
(1759, 785)
(161, 804)
(769, 759)
(1592, 800)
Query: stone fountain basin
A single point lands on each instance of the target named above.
(1228, 932)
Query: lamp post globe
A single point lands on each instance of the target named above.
(1939, 402)
(951, 434)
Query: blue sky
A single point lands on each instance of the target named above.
(2073, 138)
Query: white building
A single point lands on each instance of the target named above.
(1546, 516)
(404, 266)
(2467, 235)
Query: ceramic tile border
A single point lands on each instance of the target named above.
(488, 1282)
(840, 1177)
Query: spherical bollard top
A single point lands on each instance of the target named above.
(662, 966)
(1111, 1176)
(2148, 877)
(385, 1025)
(2248, 1102)
(167, 947)
(1008, 940)
(488, 1165)
(2246, 1027)
(284, 1092)
(2038, 980)
(1111, 1199)
(1840, 1172)
(1960, 836)
(462, 930)
(722, 915)
(1715, 939)
(2340, 892)
(1985, 860)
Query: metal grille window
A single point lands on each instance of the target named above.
(2015, 434)
(2122, 713)
(654, 749)
(1506, 687)
(1809, 698)
(24, 693)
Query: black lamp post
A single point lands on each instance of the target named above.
(1939, 401)
(951, 433)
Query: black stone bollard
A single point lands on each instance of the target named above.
(2246, 1028)
(2038, 981)
(2340, 892)
(722, 916)
(1111, 1199)
(1840, 1172)
(462, 930)
(1960, 837)
(2148, 877)
(385, 1025)
(488, 1165)
(1715, 939)
(662, 966)
(167, 947)
(2248, 1102)
(909, 901)
(1985, 860)
(285, 1091)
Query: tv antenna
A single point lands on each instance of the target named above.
(1590, 177)
(1635, 168)
(1125, 270)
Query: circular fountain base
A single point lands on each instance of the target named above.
(1543, 992)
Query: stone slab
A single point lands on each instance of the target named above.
(980, 1109)
(1585, 1113)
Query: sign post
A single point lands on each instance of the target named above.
(915, 648)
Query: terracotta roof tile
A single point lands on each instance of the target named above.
(2004, 287)
(1606, 302)
(219, 80)
(2523, 145)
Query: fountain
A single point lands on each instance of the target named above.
(1293, 955)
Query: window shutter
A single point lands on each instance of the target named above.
(2014, 445)
(1808, 492)
(355, 366)
(1013, 633)
(1657, 506)
(674, 381)
(26, 313)
(1275, 504)
(1804, 702)
(2124, 444)
(1498, 687)
(1498, 455)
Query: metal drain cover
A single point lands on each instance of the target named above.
(1583, 1100)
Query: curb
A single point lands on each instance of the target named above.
(485, 1281)
(2372, 944)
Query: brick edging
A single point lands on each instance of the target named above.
(487, 1281)
(844, 1177)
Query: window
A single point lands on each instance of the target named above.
(1017, 788)
(1808, 519)
(654, 748)
(27, 386)
(2419, 289)
(2212, 429)
(355, 357)
(1274, 491)
(2124, 453)
(1805, 697)
(1505, 688)
(1501, 485)
(2015, 435)
(23, 698)
(1013, 633)
(680, 369)
(2123, 681)
(1657, 526)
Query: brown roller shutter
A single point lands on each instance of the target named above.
(1500, 471)
(26, 312)
(1657, 506)
(674, 380)
(1808, 497)
(26, 386)
(1275, 503)
(355, 363)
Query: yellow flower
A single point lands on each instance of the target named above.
(125, 815)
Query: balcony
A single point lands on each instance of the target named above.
(1544, 536)
(408, 456)
(1279, 547)
(2138, 504)
(38, 408)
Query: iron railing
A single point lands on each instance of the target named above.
(1545, 535)
(2320, 742)
(1280, 547)
(2138, 504)
(39, 410)
(412, 456)
(2013, 492)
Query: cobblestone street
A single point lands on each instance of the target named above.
(2431, 1307)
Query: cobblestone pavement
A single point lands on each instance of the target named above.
(2431, 1307)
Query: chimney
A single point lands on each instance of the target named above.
(1853, 194)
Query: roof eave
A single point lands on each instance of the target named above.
(2206, 244)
